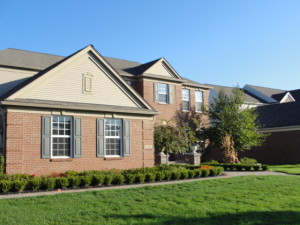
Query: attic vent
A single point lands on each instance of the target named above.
(87, 83)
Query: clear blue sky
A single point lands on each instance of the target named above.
(221, 42)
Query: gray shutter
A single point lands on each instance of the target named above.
(155, 92)
(46, 137)
(171, 97)
(126, 138)
(100, 138)
(77, 148)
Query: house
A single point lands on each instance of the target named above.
(86, 111)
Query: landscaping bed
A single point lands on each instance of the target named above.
(240, 167)
(71, 179)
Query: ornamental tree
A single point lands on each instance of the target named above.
(233, 127)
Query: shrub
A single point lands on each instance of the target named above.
(47, 183)
(73, 181)
(264, 167)
(34, 184)
(71, 173)
(129, 178)
(18, 185)
(248, 161)
(20, 176)
(220, 170)
(159, 176)
(213, 171)
(118, 179)
(2, 164)
(85, 180)
(5, 186)
(175, 175)
(256, 167)
(168, 175)
(97, 179)
(150, 177)
(107, 179)
(247, 167)
(184, 174)
(239, 167)
(198, 172)
(61, 182)
(139, 178)
(192, 173)
(205, 172)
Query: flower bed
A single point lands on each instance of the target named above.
(72, 179)
(239, 167)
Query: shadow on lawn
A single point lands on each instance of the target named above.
(249, 218)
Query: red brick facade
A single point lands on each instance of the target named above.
(23, 147)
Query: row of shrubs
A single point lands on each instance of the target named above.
(240, 167)
(72, 179)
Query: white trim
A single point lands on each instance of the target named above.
(280, 129)
(288, 94)
(120, 137)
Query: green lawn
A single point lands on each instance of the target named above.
(291, 169)
(259, 200)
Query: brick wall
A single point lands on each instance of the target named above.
(23, 147)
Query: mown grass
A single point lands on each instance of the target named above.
(241, 200)
(286, 168)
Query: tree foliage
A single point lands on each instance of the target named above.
(233, 127)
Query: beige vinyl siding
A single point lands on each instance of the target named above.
(159, 69)
(66, 85)
(9, 78)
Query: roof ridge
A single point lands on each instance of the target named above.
(122, 59)
(34, 52)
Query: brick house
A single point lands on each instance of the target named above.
(86, 111)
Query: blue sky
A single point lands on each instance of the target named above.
(215, 41)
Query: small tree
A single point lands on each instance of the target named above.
(233, 127)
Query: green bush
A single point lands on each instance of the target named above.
(184, 174)
(248, 161)
(107, 179)
(5, 185)
(205, 172)
(61, 182)
(118, 179)
(198, 172)
(247, 167)
(18, 185)
(2, 164)
(73, 181)
(129, 178)
(213, 171)
(220, 170)
(150, 177)
(256, 167)
(159, 176)
(47, 183)
(97, 179)
(139, 178)
(85, 180)
(20, 176)
(239, 167)
(175, 175)
(71, 173)
(34, 184)
(264, 167)
(192, 173)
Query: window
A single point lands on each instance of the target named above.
(198, 100)
(113, 134)
(61, 136)
(185, 99)
(163, 93)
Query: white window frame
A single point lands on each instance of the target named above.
(163, 93)
(65, 136)
(197, 100)
(120, 137)
(188, 99)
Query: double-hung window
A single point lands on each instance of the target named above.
(113, 134)
(163, 93)
(61, 136)
(185, 99)
(198, 101)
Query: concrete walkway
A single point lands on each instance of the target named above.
(226, 174)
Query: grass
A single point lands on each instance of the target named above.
(290, 169)
(249, 200)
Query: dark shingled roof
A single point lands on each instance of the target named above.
(249, 98)
(270, 92)
(295, 94)
(279, 115)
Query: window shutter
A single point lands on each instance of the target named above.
(46, 137)
(155, 92)
(171, 97)
(77, 138)
(100, 138)
(126, 138)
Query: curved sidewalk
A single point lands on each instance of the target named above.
(226, 174)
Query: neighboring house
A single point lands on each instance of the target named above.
(73, 113)
(86, 111)
(282, 122)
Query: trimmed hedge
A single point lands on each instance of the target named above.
(238, 167)
(72, 179)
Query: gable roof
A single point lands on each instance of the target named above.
(295, 94)
(279, 115)
(17, 92)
